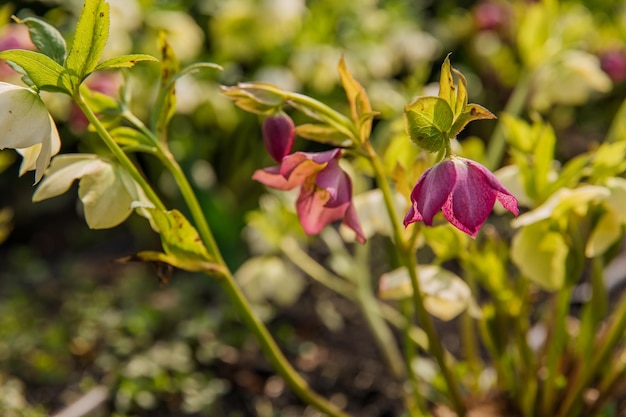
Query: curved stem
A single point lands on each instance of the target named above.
(410, 263)
(240, 303)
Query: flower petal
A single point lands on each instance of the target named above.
(471, 200)
(431, 192)
(351, 220)
(313, 214)
(63, 171)
(503, 195)
(23, 117)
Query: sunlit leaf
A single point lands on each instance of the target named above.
(322, 134)
(605, 233)
(181, 242)
(92, 32)
(428, 122)
(360, 107)
(42, 70)
(124, 61)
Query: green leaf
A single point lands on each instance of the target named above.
(42, 70)
(124, 61)
(606, 232)
(541, 254)
(253, 99)
(182, 244)
(46, 38)
(92, 32)
(322, 134)
(165, 105)
(428, 122)
(447, 89)
(470, 113)
(360, 107)
(159, 257)
(127, 136)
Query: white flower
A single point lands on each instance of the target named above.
(26, 126)
(108, 192)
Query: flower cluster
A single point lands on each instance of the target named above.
(325, 189)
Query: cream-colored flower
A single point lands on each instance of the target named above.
(26, 126)
(108, 192)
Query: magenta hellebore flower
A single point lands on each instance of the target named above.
(325, 190)
(464, 190)
(278, 135)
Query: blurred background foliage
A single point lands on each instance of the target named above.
(72, 319)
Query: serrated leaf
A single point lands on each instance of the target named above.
(360, 107)
(322, 134)
(180, 240)
(42, 70)
(46, 38)
(124, 61)
(470, 113)
(428, 122)
(92, 32)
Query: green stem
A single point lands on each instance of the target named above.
(273, 352)
(242, 306)
(117, 151)
(583, 377)
(239, 302)
(371, 311)
(514, 106)
(555, 345)
(415, 405)
(410, 263)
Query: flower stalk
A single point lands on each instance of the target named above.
(408, 260)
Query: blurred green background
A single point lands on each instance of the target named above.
(71, 318)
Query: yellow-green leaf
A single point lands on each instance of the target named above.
(42, 70)
(124, 61)
(360, 107)
(428, 122)
(180, 240)
(92, 32)
(541, 254)
(322, 133)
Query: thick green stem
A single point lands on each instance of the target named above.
(119, 154)
(515, 105)
(410, 263)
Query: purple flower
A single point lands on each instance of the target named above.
(325, 190)
(278, 135)
(464, 190)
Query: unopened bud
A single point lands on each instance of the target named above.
(278, 135)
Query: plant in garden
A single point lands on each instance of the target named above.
(571, 232)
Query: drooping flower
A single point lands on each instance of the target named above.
(325, 189)
(278, 135)
(26, 126)
(463, 189)
(107, 191)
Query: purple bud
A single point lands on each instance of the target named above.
(278, 135)
(614, 64)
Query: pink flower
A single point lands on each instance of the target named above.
(325, 190)
(278, 135)
(464, 190)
